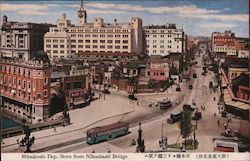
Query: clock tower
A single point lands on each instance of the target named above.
(82, 15)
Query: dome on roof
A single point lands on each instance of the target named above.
(41, 55)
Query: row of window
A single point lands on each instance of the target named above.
(55, 40)
(161, 51)
(158, 31)
(156, 73)
(12, 81)
(15, 70)
(163, 46)
(28, 96)
(95, 36)
(96, 30)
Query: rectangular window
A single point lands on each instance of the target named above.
(117, 41)
(102, 41)
(87, 46)
(34, 86)
(45, 93)
(46, 81)
(87, 41)
(95, 41)
(125, 41)
(110, 41)
(125, 47)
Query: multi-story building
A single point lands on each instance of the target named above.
(158, 69)
(240, 86)
(243, 54)
(25, 88)
(20, 39)
(224, 43)
(163, 40)
(65, 40)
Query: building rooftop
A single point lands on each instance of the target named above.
(168, 26)
(242, 80)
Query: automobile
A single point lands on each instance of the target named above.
(174, 118)
(178, 88)
(164, 104)
(190, 86)
(132, 97)
(197, 116)
(106, 91)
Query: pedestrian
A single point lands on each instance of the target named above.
(225, 126)
(214, 98)
(93, 151)
(109, 151)
(218, 122)
(54, 129)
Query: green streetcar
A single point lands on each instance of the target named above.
(107, 132)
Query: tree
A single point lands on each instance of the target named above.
(185, 124)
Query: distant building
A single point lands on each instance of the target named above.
(74, 82)
(21, 39)
(163, 40)
(66, 40)
(25, 87)
(243, 54)
(158, 69)
(224, 42)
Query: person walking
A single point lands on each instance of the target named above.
(54, 129)
(218, 122)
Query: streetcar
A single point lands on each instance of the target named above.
(107, 132)
(165, 104)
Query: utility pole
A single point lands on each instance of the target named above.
(140, 141)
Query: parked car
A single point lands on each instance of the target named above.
(174, 118)
(132, 97)
(106, 91)
(178, 88)
(190, 86)
(197, 116)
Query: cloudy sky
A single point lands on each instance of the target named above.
(199, 17)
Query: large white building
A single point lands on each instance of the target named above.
(21, 39)
(163, 40)
(66, 40)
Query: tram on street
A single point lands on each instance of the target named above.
(107, 132)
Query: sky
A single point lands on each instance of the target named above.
(198, 17)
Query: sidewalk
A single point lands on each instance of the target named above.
(114, 107)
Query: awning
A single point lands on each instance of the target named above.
(237, 104)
